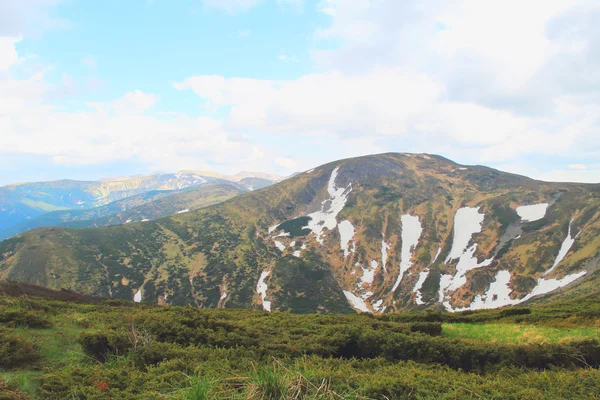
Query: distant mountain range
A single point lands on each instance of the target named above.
(377, 233)
(31, 205)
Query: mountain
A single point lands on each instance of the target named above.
(142, 207)
(21, 203)
(175, 203)
(252, 183)
(376, 233)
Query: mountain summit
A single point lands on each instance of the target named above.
(376, 233)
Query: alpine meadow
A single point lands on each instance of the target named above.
(299, 200)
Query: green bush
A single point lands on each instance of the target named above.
(429, 328)
(14, 318)
(102, 345)
(510, 312)
(16, 351)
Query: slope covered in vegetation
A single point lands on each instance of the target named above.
(379, 233)
(52, 349)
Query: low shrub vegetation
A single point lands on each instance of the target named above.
(123, 350)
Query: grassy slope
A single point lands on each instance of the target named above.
(183, 353)
(193, 257)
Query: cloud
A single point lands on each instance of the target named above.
(286, 163)
(577, 166)
(89, 62)
(484, 83)
(31, 17)
(8, 52)
(244, 32)
(135, 102)
(498, 84)
(119, 130)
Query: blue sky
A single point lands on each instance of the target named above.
(90, 89)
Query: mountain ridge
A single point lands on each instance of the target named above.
(283, 246)
(20, 203)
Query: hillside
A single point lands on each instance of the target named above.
(376, 233)
(26, 206)
(143, 207)
(180, 202)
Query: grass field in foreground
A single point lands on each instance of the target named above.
(513, 333)
(56, 350)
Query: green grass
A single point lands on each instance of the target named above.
(512, 333)
(122, 350)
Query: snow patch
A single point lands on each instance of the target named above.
(462, 169)
(384, 248)
(128, 221)
(467, 221)
(296, 253)
(426, 157)
(439, 251)
(356, 301)
(326, 217)
(283, 234)
(223, 296)
(498, 295)
(417, 289)
(377, 305)
(261, 288)
(368, 274)
(310, 170)
(279, 245)
(532, 212)
(421, 280)
(293, 243)
(138, 296)
(346, 230)
(272, 228)
(549, 285)
(564, 249)
(183, 211)
(411, 232)
(145, 220)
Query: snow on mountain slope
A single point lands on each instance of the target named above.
(376, 234)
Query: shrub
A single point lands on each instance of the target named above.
(510, 312)
(429, 328)
(30, 319)
(16, 351)
(101, 345)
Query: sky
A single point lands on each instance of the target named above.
(93, 89)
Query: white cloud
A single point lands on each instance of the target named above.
(89, 61)
(286, 163)
(135, 102)
(476, 81)
(577, 166)
(31, 17)
(482, 82)
(117, 130)
(8, 52)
